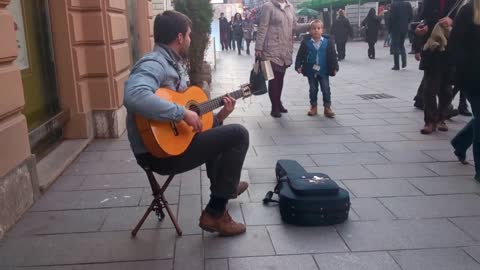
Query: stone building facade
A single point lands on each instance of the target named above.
(63, 64)
(259, 3)
(160, 6)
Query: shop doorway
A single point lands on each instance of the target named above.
(36, 62)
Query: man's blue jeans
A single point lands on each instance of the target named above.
(470, 134)
(324, 82)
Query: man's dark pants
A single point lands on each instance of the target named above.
(398, 48)
(462, 102)
(437, 83)
(341, 48)
(222, 148)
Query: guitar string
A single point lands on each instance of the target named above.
(211, 105)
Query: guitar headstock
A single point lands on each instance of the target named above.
(246, 90)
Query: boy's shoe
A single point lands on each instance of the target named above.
(313, 111)
(283, 109)
(223, 224)
(327, 111)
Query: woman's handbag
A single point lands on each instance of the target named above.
(257, 79)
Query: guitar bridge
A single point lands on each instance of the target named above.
(174, 128)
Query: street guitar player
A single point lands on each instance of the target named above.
(171, 128)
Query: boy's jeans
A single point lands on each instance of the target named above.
(324, 82)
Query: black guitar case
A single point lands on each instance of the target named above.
(308, 198)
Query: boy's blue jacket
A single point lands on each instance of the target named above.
(306, 56)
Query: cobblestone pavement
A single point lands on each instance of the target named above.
(413, 206)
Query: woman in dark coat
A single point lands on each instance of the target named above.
(372, 25)
(341, 30)
(230, 36)
(237, 27)
(463, 45)
(224, 31)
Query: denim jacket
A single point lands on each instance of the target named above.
(160, 68)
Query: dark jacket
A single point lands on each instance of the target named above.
(302, 56)
(464, 48)
(342, 29)
(386, 18)
(401, 14)
(431, 14)
(237, 27)
(224, 25)
(372, 25)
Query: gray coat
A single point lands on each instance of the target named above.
(275, 32)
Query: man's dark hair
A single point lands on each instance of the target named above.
(168, 25)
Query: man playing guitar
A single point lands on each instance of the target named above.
(222, 148)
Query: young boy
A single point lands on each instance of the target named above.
(317, 60)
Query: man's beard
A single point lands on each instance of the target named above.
(184, 52)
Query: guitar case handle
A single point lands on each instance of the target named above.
(268, 198)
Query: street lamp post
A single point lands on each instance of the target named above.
(359, 2)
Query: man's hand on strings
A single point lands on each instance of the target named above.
(193, 120)
(228, 107)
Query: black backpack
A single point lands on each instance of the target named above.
(308, 198)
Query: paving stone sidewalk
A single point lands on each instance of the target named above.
(413, 206)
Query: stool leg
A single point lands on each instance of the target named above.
(160, 202)
(172, 216)
(140, 223)
(159, 209)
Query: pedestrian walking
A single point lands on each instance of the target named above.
(341, 31)
(237, 27)
(435, 64)
(224, 31)
(372, 27)
(464, 43)
(400, 17)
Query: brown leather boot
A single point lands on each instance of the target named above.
(327, 111)
(313, 111)
(224, 224)
(428, 128)
(242, 186)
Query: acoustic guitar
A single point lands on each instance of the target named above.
(170, 138)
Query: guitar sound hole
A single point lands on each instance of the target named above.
(194, 108)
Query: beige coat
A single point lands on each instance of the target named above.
(275, 32)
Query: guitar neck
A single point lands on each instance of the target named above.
(216, 103)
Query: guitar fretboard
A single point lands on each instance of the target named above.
(215, 103)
